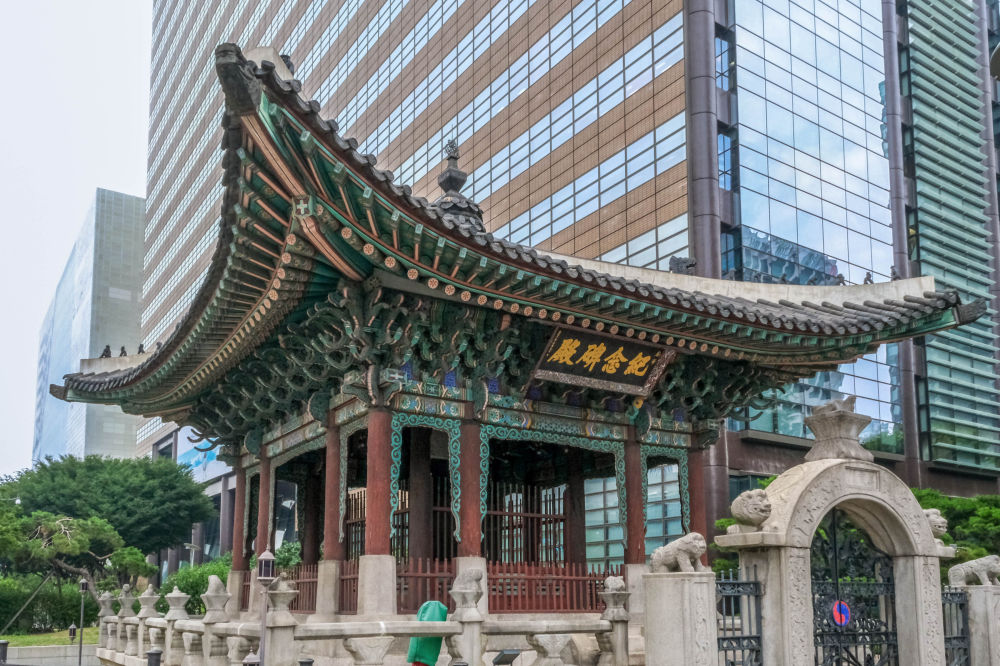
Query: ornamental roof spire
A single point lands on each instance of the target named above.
(455, 206)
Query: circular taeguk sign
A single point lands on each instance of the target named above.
(841, 613)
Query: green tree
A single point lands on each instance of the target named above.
(973, 522)
(151, 504)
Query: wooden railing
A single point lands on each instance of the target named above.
(348, 592)
(420, 580)
(518, 587)
(306, 579)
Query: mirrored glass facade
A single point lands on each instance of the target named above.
(810, 179)
(96, 303)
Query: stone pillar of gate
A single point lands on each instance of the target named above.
(328, 568)
(377, 567)
(786, 605)
(470, 547)
(919, 614)
(984, 619)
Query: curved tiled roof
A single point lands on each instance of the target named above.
(220, 328)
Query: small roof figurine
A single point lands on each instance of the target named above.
(868, 278)
(141, 349)
(107, 352)
(123, 352)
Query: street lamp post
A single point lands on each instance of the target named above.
(84, 588)
(265, 576)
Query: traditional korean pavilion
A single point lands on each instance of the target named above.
(441, 395)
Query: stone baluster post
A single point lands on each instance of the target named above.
(468, 646)
(147, 609)
(173, 654)
(111, 626)
(548, 648)
(239, 647)
(194, 654)
(216, 597)
(156, 639)
(106, 611)
(690, 637)
(614, 643)
(368, 651)
(984, 619)
(127, 630)
(280, 645)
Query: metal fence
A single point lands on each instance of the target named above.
(955, 606)
(738, 596)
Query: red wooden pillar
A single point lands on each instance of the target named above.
(421, 514)
(377, 519)
(313, 499)
(239, 521)
(264, 502)
(471, 528)
(635, 527)
(333, 547)
(574, 535)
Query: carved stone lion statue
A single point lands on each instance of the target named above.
(939, 524)
(751, 509)
(985, 570)
(684, 554)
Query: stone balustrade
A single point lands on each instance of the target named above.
(217, 640)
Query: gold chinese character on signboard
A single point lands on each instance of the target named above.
(612, 362)
(592, 356)
(639, 365)
(565, 352)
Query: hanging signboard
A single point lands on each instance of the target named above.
(602, 362)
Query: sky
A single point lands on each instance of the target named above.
(74, 113)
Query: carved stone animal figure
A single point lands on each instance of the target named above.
(939, 524)
(684, 554)
(752, 507)
(683, 265)
(985, 570)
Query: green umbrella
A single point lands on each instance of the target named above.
(425, 649)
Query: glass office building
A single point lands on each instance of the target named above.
(95, 304)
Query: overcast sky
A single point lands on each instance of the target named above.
(74, 109)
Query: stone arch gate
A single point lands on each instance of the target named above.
(875, 500)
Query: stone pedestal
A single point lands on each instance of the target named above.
(467, 563)
(327, 591)
(634, 574)
(681, 626)
(377, 585)
(984, 620)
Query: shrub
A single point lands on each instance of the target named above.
(194, 581)
(55, 607)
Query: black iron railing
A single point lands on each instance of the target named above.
(955, 607)
(738, 595)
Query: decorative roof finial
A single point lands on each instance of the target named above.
(453, 204)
